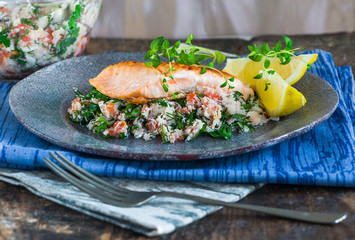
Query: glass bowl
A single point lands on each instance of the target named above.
(36, 33)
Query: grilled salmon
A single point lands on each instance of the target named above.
(136, 83)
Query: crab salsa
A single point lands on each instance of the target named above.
(176, 120)
(33, 35)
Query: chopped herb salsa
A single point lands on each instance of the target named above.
(38, 34)
(176, 120)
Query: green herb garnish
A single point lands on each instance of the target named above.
(237, 95)
(131, 111)
(243, 122)
(181, 102)
(35, 9)
(88, 112)
(165, 136)
(247, 106)
(19, 57)
(94, 93)
(267, 86)
(73, 32)
(4, 39)
(190, 55)
(104, 124)
(193, 55)
(135, 127)
(162, 102)
(178, 118)
(20, 38)
(26, 21)
(224, 131)
(264, 53)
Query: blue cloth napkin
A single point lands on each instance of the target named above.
(323, 156)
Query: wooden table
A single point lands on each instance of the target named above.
(25, 216)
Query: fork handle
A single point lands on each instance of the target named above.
(313, 217)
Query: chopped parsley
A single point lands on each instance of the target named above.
(26, 21)
(224, 131)
(248, 106)
(170, 123)
(20, 38)
(104, 124)
(131, 111)
(162, 102)
(178, 118)
(94, 93)
(4, 39)
(35, 9)
(19, 57)
(72, 34)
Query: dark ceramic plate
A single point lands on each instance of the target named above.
(41, 100)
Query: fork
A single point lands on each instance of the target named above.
(122, 197)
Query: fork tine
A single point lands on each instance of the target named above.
(85, 175)
(110, 199)
(64, 174)
(65, 164)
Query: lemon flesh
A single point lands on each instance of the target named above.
(245, 69)
(277, 96)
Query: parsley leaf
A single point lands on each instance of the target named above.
(132, 111)
(20, 57)
(224, 131)
(26, 21)
(88, 112)
(162, 102)
(93, 94)
(104, 124)
(73, 32)
(4, 39)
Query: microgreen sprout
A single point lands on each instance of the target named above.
(264, 53)
(189, 55)
(193, 55)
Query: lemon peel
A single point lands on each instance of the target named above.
(277, 96)
(245, 69)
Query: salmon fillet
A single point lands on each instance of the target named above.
(136, 83)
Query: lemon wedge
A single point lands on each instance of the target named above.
(277, 96)
(245, 69)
